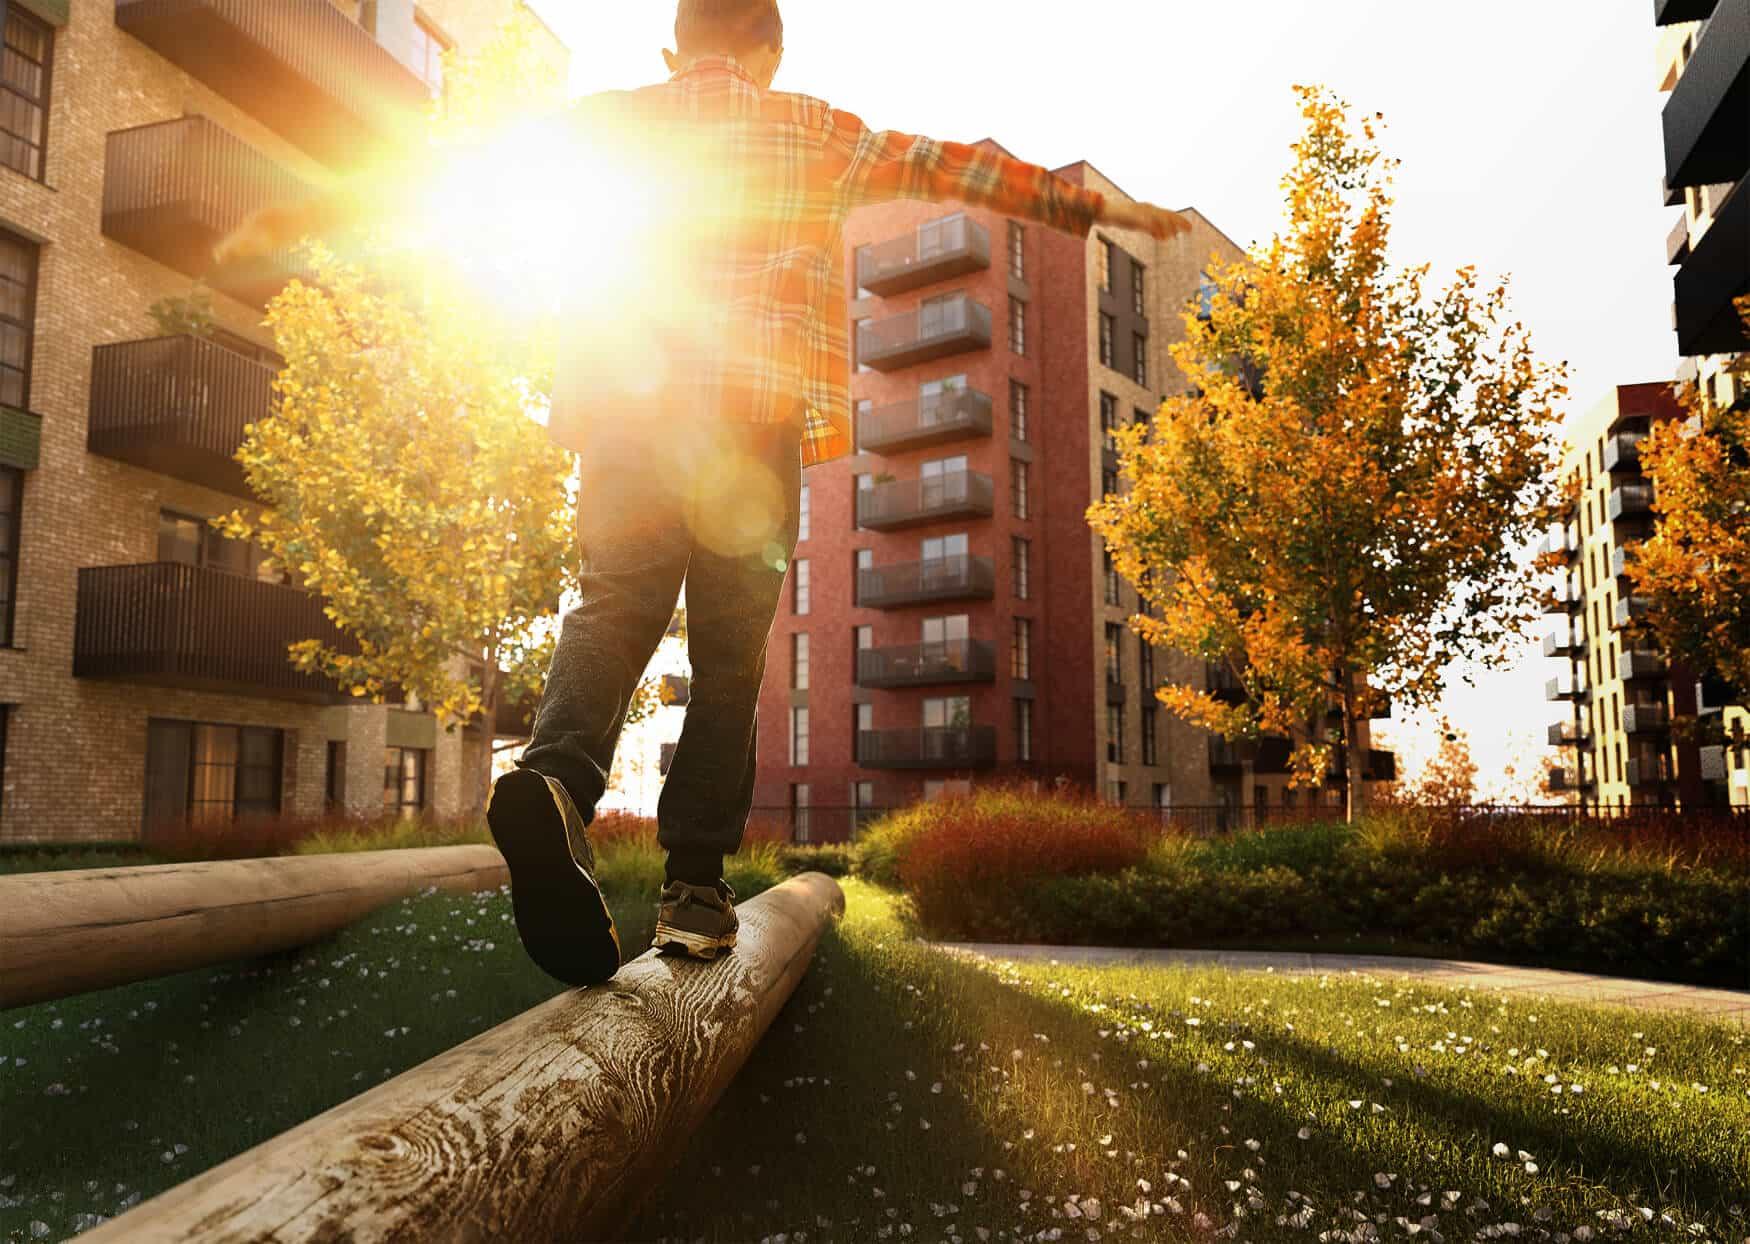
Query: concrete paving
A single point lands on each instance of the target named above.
(1729, 1005)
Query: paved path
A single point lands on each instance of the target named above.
(1730, 1005)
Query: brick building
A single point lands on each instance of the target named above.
(142, 669)
(950, 615)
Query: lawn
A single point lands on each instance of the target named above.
(904, 1094)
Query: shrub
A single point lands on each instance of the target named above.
(835, 859)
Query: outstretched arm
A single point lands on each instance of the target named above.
(881, 165)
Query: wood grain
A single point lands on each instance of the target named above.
(553, 1126)
(63, 933)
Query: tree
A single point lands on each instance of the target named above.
(1449, 779)
(403, 475)
(1333, 511)
(1695, 568)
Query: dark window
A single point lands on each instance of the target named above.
(403, 780)
(1018, 410)
(336, 785)
(1150, 718)
(17, 317)
(1110, 573)
(24, 91)
(1108, 481)
(195, 542)
(1021, 655)
(1017, 326)
(1021, 551)
(1136, 287)
(1017, 252)
(1107, 326)
(1018, 486)
(204, 773)
(1141, 344)
(5, 720)
(1114, 650)
(1023, 730)
(11, 514)
(1108, 421)
(1115, 733)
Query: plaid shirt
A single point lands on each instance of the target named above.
(751, 322)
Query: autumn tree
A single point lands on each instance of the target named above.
(1333, 510)
(403, 475)
(1695, 568)
(1449, 779)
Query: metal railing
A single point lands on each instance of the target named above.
(810, 825)
(935, 251)
(937, 329)
(1628, 501)
(1640, 663)
(954, 415)
(959, 577)
(183, 625)
(177, 405)
(917, 665)
(952, 494)
(930, 747)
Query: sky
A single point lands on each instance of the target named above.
(1528, 130)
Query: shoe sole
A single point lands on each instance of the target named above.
(564, 922)
(697, 945)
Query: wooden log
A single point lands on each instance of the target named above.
(63, 933)
(552, 1126)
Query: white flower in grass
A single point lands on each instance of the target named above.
(1354, 1105)
(1304, 1133)
(1501, 1150)
(1253, 1145)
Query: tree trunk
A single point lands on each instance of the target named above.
(490, 690)
(1354, 780)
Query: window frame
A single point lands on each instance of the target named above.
(27, 325)
(1023, 730)
(799, 726)
(1017, 409)
(1021, 649)
(1140, 371)
(188, 729)
(1021, 566)
(437, 43)
(801, 588)
(804, 517)
(1108, 332)
(1138, 278)
(1108, 251)
(1017, 326)
(799, 662)
(12, 520)
(8, 12)
(1017, 251)
(1018, 484)
(401, 809)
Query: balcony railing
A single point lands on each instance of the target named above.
(1622, 452)
(1222, 683)
(1638, 772)
(1706, 142)
(177, 625)
(960, 577)
(1711, 761)
(1568, 733)
(1717, 271)
(173, 189)
(1631, 609)
(1645, 718)
(922, 665)
(1564, 643)
(951, 326)
(1640, 664)
(1627, 501)
(938, 250)
(300, 66)
(1620, 557)
(933, 498)
(1227, 755)
(178, 406)
(1564, 688)
(932, 747)
(1677, 241)
(934, 420)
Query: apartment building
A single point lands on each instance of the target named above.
(950, 617)
(142, 657)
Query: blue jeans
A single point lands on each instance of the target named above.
(713, 502)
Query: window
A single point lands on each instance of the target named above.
(1018, 410)
(1163, 795)
(864, 406)
(1108, 421)
(24, 91)
(334, 788)
(5, 719)
(1108, 481)
(1018, 486)
(799, 800)
(428, 54)
(1017, 326)
(802, 598)
(862, 560)
(948, 712)
(862, 803)
(1138, 301)
(857, 345)
(201, 772)
(17, 317)
(1138, 417)
(1107, 328)
(403, 781)
(798, 735)
(1114, 654)
(1109, 573)
(1023, 730)
(1021, 652)
(1020, 548)
(11, 515)
(862, 722)
(195, 542)
(1261, 797)
(799, 662)
(1115, 733)
(802, 514)
(1205, 297)
(1141, 373)
(1107, 252)
(862, 639)
(1145, 662)
(1150, 723)
(1017, 252)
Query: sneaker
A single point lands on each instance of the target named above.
(697, 919)
(561, 916)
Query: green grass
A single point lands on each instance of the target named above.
(825, 1113)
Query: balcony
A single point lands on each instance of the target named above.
(1677, 241)
(931, 499)
(1382, 766)
(1645, 718)
(1706, 140)
(959, 577)
(1631, 609)
(1717, 271)
(173, 189)
(1640, 663)
(1273, 754)
(935, 420)
(302, 67)
(1671, 12)
(932, 747)
(1226, 756)
(1564, 643)
(1622, 452)
(938, 250)
(1567, 687)
(1644, 773)
(1629, 501)
(927, 664)
(178, 406)
(175, 625)
(1222, 683)
(952, 325)
(1568, 733)
(1620, 558)
(1712, 761)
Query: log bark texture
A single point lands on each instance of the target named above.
(63, 933)
(553, 1126)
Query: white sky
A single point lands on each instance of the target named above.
(1528, 129)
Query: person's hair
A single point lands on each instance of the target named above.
(727, 27)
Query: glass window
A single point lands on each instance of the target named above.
(1023, 730)
(1018, 486)
(11, 523)
(1150, 723)
(206, 773)
(1110, 574)
(18, 260)
(1115, 733)
(335, 787)
(798, 735)
(948, 712)
(802, 597)
(862, 560)
(403, 781)
(1021, 653)
(5, 720)
(862, 722)
(1017, 326)
(1141, 344)
(1114, 657)
(24, 91)
(1106, 251)
(800, 798)
(1107, 328)
(1020, 548)
(1017, 252)
(802, 518)
(1136, 287)
(864, 406)
(1108, 421)
(1018, 410)
(428, 54)
(799, 662)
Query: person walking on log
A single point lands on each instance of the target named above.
(694, 408)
